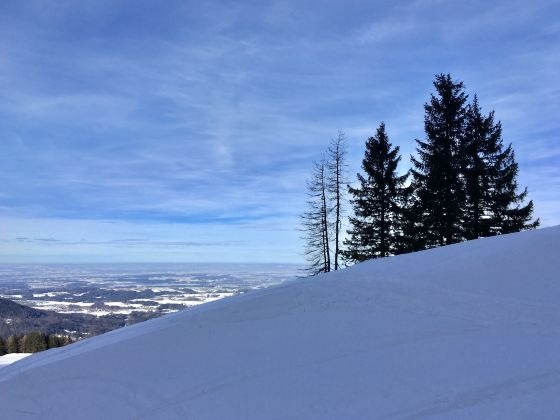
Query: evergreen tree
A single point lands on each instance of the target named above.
(12, 344)
(437, 171)
(336, 165)
(54, 341)
(412, 238)
(508, 214)
(33, 342)
(492, 205)
(3, 349)
(480, 149)
(377, 202)
(315, 221)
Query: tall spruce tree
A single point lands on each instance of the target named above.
(3, 349)
(480, 150)
(377, 202)
(437, 171)
(315, 221)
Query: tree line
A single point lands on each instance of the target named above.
(32, 342)
(462, 185)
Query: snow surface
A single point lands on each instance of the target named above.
(8, 359)
(469, 331)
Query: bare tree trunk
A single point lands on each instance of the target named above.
(316, 222)
(337, 183)
(325, 212)
(325, 197)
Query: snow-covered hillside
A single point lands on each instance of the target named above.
(8, 359)
(469, 331)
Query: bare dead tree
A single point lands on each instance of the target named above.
(315, 221)
(336, 184)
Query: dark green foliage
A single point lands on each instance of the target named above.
(3, 349)
(509, 215)
(492, 205)
(54, 341)
(34, 342)
(464, 186)
(412, 238)
(378, 203)
(437, 181)
(480, 149)
(464, 183)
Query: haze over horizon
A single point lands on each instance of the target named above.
(183, 132)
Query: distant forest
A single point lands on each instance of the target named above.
(32, 342)
(462, 185)
(27, 330)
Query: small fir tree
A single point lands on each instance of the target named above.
(508, 213)
(377, 202)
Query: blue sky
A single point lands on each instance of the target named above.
(184, 131)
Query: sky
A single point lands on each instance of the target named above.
(184, 131)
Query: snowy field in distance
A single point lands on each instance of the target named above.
(103, 289)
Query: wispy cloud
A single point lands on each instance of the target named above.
(128, 242)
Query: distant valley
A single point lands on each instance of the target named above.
(18, 319)
(84, 300)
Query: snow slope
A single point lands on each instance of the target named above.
(469, 331)
(8, 359)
